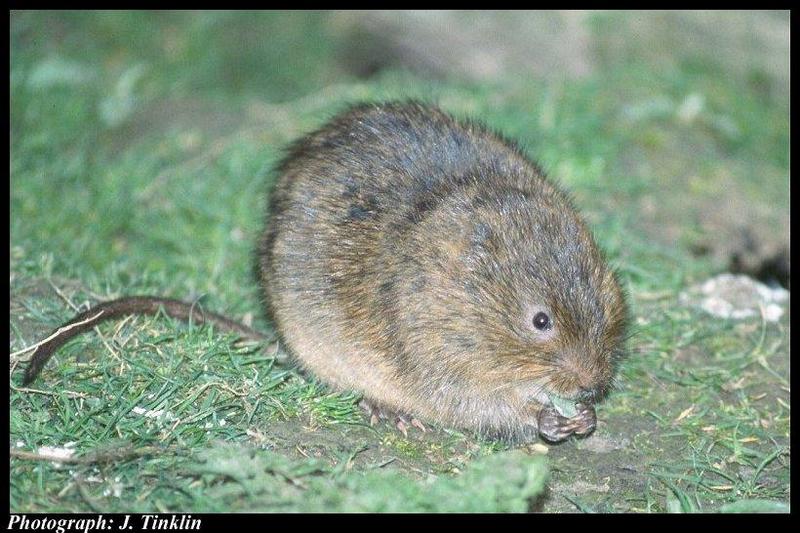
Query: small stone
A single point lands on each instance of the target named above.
(717, 307)
(738, 314)
(736, 297)
(539, 448)
(773, 313)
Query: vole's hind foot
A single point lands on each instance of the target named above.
(401, 421)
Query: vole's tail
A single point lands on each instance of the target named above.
(133, 305)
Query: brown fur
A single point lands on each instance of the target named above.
(403, 253)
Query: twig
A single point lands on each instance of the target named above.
(71, 394)
(92, 457)
(62, 295)
(21, 454)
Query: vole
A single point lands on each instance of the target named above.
(428, 264)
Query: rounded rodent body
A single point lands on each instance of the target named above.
(428, 264)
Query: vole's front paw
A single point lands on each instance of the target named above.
(586, 420)
(401, 421)
(555, 428)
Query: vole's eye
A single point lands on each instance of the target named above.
(541, 321)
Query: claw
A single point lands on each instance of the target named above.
(401, 422)
(401, 425)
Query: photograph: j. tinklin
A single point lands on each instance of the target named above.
(397, 261)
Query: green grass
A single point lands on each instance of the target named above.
(141, 154)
